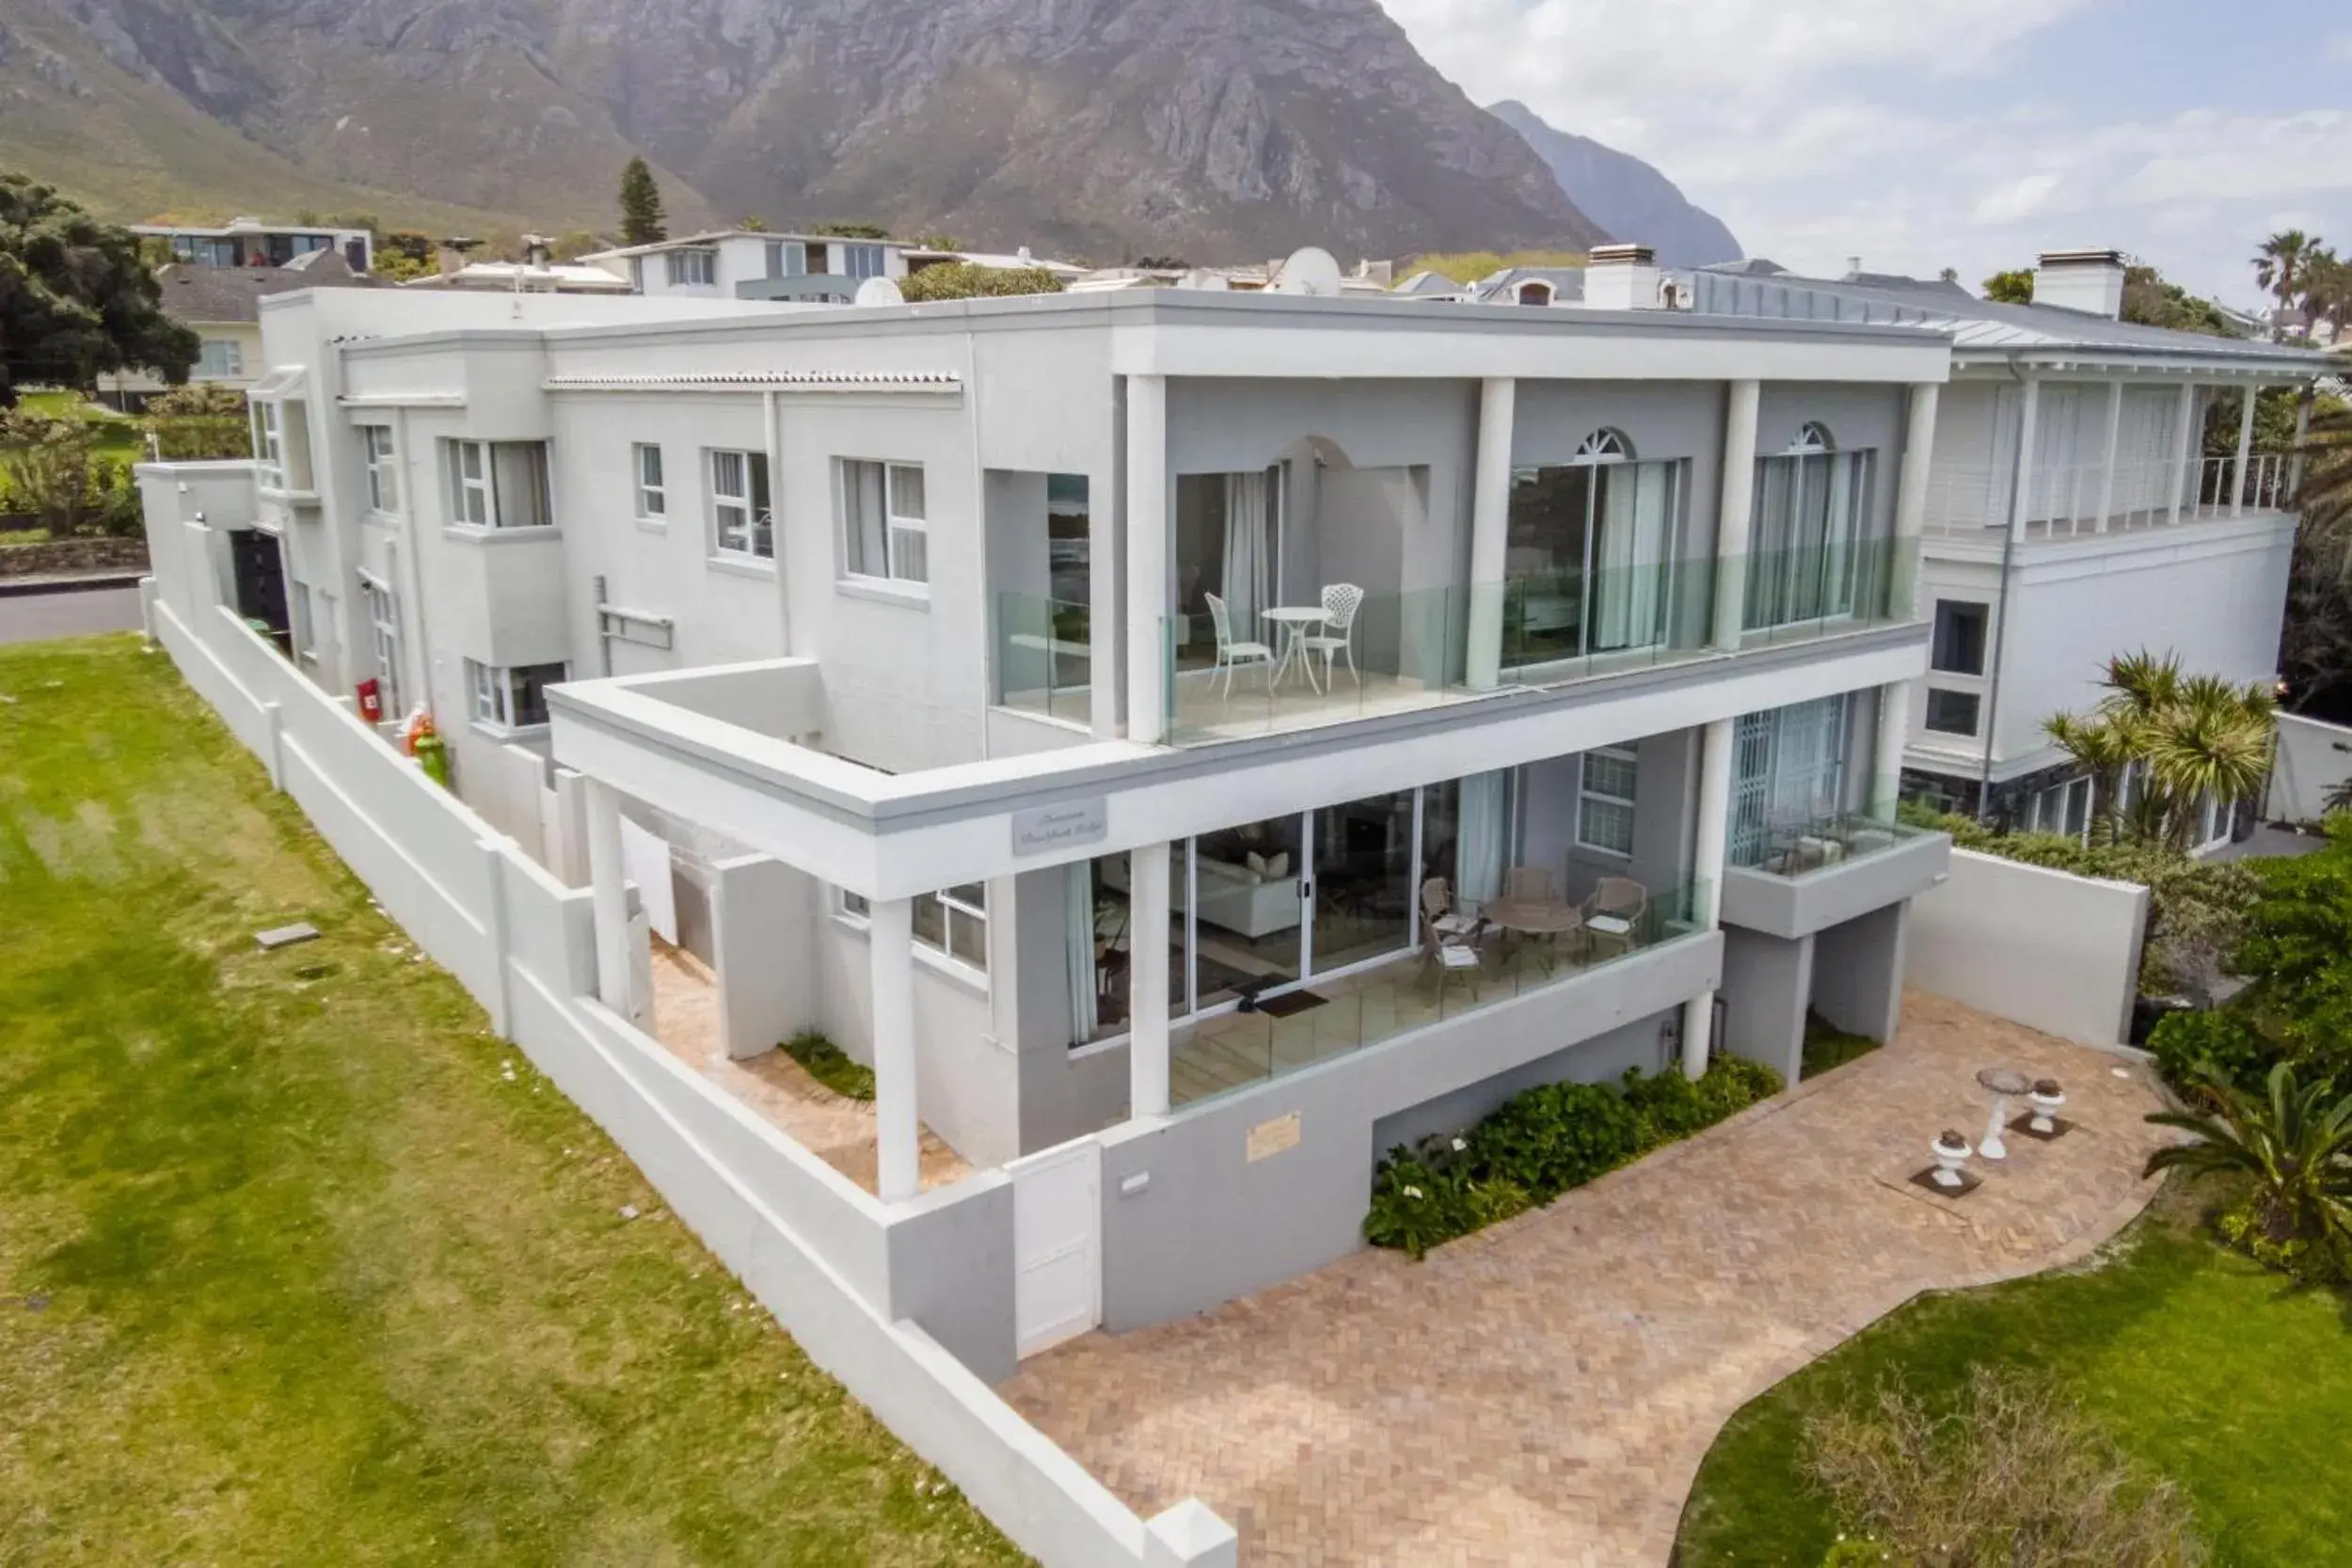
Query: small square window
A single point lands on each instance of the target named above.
(1959, 637)
(1951, 712)
(886, 521)
(1604, 811)
(512, 699)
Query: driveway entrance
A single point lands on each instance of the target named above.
(1542, 1393)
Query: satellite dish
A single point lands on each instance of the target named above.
(879, 290)
(1309, 271)
(1202, 278)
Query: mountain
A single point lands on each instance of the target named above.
(1624, 194)
(1217, 129)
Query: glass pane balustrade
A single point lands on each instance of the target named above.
(1340, 1014)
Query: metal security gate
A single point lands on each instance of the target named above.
(1056, 1245)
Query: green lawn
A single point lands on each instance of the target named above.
(112, 434)
(299, 1265)
(2219, 1374)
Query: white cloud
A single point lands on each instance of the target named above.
(1845, 127)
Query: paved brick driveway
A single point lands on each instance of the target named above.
(1542, 1393)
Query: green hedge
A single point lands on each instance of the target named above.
(1543, 1141)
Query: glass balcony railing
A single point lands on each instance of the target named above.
(1044, 656)
(1232, 1051)
(1801, 847)
(1292, 665)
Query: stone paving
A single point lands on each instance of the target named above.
(1543, 1392)
(838, 1130)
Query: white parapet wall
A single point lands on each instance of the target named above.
(2312, 758)
(2044, 948)
(881, 1296)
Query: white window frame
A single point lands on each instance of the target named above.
(1586, 794)
(469, 493)
(957, 914)
(651, 485)
(787, 258)
(384, 621)
(692, 267)
(383, 467)
(739, 540)
(228, 363)
(1935, 628)
(853, 907)
(493, 694)
(901, 528)
(853, 250)
(269, 449)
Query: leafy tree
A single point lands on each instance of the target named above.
(2152, 302)
(77, 296)
(2327, 290)
(970, 280)
(2192, 736)
(200, 423)
(1163, 264)
(642, 219)
(751, 223)
(851, 231)
(1949, 274)
(1469, 266)
(2014, 287)
(2279, 266)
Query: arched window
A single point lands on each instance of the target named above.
(1604, 446)
(1535, 291)
(1813, 438)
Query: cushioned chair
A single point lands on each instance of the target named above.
(1613, 912)
(1231, 655)
(1444, 956)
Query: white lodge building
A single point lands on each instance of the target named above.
(2072, 513)
(1238, 732)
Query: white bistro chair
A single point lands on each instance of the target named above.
(1341, 601)
(1230, 654)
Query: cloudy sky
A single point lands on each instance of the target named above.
(1926, 133)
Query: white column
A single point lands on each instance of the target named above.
(609, 893)
(897, 1124)
(2020, 484)
(2183, 428)
(1894, 731)
(1911, 499)
(1735, 512)
(1147, 980)
(2115, 443)
(1148, 607)
(1490, 519)
(2302, 433)
(2248, 395)
(1706, 871)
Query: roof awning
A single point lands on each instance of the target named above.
(282, 381)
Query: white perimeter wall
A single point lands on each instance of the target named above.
(2055, 952)
(899, 1303)
(2312, 758)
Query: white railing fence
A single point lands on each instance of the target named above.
(2064, 500)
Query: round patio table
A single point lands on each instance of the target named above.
(1539, 918)
(1294, 620)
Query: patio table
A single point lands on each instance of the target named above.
(1541, 919)
(1295, 622)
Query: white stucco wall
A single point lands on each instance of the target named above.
(2054, 952)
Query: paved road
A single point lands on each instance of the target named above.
(31, 617)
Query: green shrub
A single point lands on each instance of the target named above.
(1541, 1142)
(2192, 1046)
(824, 1061)
(970, 280)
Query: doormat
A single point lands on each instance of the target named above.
(1289, 1003)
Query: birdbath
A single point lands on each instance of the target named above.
(1950, 1151)
(2047, 1098)
(2006, 1084)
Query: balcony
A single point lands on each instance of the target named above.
(1298, 664)
(1232, 1051)
(1971, 501)
(1800, 878)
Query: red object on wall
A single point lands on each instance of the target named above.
(371, 702)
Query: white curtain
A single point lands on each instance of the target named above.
(1838, 541)
(1478, 842)
(1084, 1017)
(1630, 555)
(1246, 555)
(862, 498)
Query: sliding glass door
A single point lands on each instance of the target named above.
(1363, 881)
(1229, 555)
(1588, 562)
(1806, 558)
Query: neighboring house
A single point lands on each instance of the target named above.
(246, 242)
(737, 264)
(1270, 728)
(2071, 514)
(222, 305)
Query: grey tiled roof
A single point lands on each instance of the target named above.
(194, 293)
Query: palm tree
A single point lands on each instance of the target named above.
(2292, 1141)
(2105, 745)
(2324, 498)
(2187, 738)
(2279, 267)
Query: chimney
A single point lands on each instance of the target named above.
(452, 257)
(1621, 278)
(2090, 281)
(537, 250)
(1854, 266)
